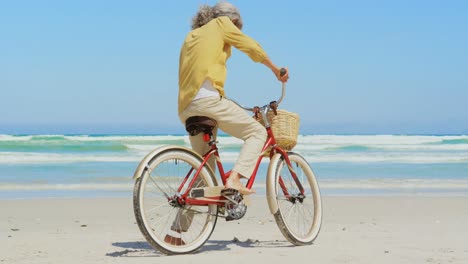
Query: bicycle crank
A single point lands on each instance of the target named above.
(235, 206)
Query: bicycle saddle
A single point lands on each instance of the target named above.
(197, 124)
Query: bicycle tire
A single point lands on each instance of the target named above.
(158, 177)
(299, 221)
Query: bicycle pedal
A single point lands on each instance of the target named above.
(230, 218)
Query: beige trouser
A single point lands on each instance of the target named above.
(233, 120)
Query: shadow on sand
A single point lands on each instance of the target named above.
(144, 249)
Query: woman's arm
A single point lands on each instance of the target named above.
(235, 37)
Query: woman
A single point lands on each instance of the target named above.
(202, 73)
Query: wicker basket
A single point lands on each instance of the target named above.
(285, 126)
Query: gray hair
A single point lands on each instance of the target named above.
(206, 13)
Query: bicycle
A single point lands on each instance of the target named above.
(175, 187)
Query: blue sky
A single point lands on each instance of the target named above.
(364, 67)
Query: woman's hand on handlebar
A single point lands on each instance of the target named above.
(277, 71)
(283, 75)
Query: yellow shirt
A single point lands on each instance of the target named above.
(204, 55)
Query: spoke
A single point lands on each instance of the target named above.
(289, 212)
(297, 218)
(167, 224)
(154, 208)
(158, 218)
(157, 186)
(166, 182)
(151, 190)
(310, 209)
(158, 223)
(308, 219)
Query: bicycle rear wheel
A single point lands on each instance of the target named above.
(166, 224)
(298, 216)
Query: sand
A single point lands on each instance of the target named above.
(355, 230)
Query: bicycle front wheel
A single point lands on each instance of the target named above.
(168, 225)
(298, 214)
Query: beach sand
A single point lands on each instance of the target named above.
(354, 230)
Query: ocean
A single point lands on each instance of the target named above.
(73, 166)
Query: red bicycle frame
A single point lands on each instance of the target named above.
(220, 200)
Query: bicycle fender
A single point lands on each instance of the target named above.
(149, 156)
(270, 184)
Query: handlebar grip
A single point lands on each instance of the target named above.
(282, 72)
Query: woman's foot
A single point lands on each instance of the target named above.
(234, 182)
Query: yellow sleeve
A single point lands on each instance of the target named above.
(234, 37)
